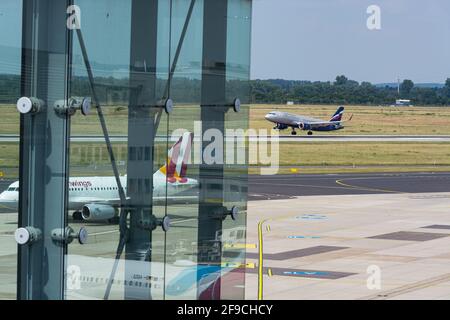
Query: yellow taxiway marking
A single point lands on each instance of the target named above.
(341, 183)
(214, 200)
(301, 185)
(104, 232)
(240, 246)
(268, 228)
(238, 265)
(269, 272)
(293, 170)
(260, 259)
(6, 207)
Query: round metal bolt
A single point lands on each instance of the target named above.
(165, 223)
(26, 105)
(22, 236)
(85, 106)
(83, 236)
(234, 212)
(168, 106)
(237, 105)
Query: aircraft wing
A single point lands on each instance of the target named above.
(176, 199)
(81, 201)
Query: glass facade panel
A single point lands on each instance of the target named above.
(186, 51)
(185, 56)
(10, 69)
(239, 25)
(125, 192)
(100, 49)
(43, 151)
(234, 228)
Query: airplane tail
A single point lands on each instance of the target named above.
(178, 157)
(338, 115)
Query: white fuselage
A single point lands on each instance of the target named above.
(289, 119)
(83, 190)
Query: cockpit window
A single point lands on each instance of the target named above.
(11, 189)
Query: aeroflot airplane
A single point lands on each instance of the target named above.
(97, 198)
(284, 120)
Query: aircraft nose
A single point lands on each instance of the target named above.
(4, 196)
(268, 117)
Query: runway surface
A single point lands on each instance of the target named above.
(356, 138)
(289, 186)
(282, 138)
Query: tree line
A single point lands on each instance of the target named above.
(277, 91)
(345, 91)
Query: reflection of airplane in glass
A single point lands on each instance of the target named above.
(284, 120)
(87, 278)
(97, 198)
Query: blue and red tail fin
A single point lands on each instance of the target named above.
(338, 115)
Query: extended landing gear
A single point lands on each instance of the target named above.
(294, 133)
(310, 133)
(77, 216)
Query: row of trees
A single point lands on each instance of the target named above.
(341, 91)
(345, 91)
(9, 88)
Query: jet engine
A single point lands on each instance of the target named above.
(97, 212)
(304, 126)
(281, 126)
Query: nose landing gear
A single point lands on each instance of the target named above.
(310, 133)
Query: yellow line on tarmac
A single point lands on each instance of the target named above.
(339, 182)
(260, 260)
(269, 272)
(240, 246)
(6, 207)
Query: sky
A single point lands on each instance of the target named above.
(312, 40)
(320, 39)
